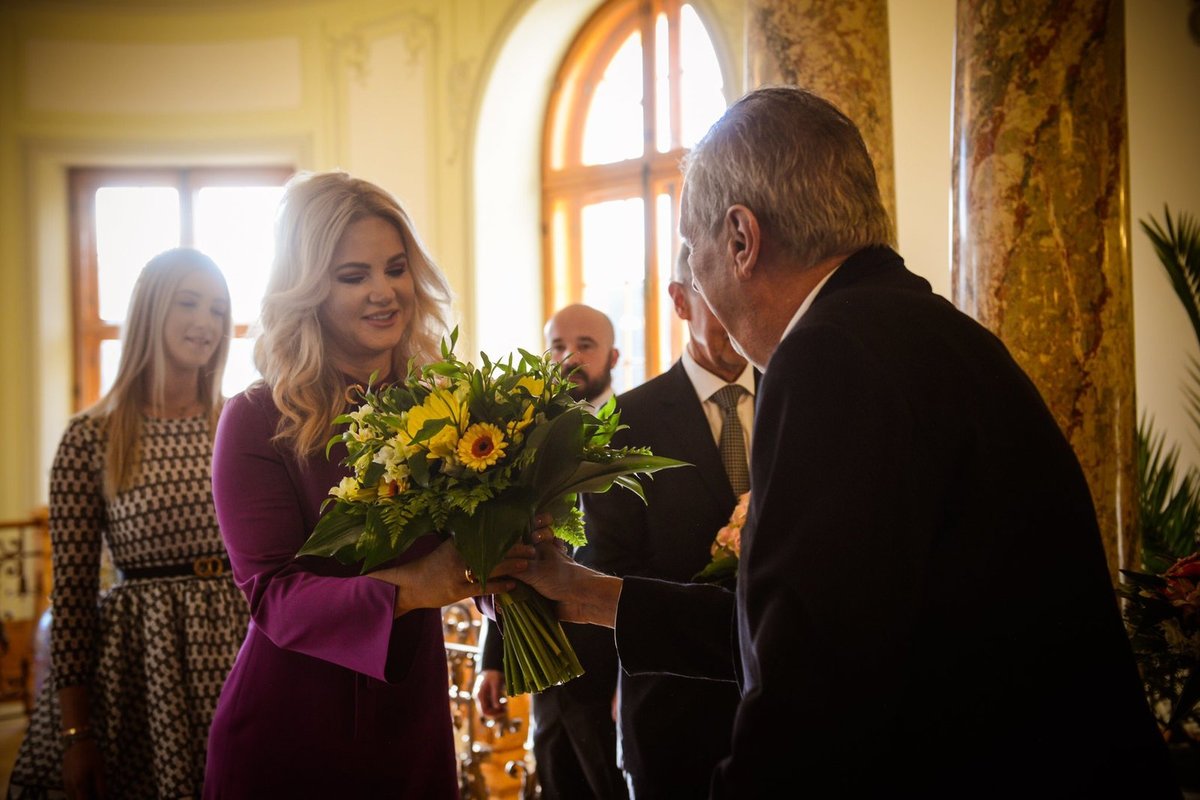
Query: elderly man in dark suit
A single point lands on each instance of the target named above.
(673, 731)
(923, 604)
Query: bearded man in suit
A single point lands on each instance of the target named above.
(672, 731)
(923, 604)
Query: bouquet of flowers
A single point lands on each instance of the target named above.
(727, 547)
(1163, 616)
(478, 452)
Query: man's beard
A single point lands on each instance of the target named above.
(590, 389)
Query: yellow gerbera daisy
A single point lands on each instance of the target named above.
(481, 446)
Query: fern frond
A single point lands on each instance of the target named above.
(1169, 503)
(1177, 243)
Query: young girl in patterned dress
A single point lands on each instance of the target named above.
(136, 670)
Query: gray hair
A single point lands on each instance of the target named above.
(799, 164)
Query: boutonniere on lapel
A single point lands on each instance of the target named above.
(727, 547)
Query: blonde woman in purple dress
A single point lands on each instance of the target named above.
(341, 687)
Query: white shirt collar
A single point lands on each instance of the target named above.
(705, 383)
(808, 301)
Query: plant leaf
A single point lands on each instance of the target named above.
(1168, 503)
(484, 537)
(558, 445)
(335, 531)
(592, 476)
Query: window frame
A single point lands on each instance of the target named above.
(568, 185)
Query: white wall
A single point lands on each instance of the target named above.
(1163, 69)
(921, 41)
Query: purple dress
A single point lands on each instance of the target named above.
(329, 696)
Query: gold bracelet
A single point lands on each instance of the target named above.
(72, 735)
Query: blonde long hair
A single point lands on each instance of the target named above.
(315, 212)
(142, 370)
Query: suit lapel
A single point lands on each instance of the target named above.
(683, 417)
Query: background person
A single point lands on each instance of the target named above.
(923, 603)
(574, 732)
(340, 688)
(135, 672)
(673, 731)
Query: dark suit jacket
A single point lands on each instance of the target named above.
(672, 731)
(923, 606)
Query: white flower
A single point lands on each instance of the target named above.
(391, 456)
(359, 415)
(345, 489)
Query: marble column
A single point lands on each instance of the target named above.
(838, 49)
(1041, 223)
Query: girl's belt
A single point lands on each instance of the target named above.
(202, 567)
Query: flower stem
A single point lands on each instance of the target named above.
(537, 654)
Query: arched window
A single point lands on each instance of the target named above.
(640, 84)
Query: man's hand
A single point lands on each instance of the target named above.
(583, 594)
(489, 694)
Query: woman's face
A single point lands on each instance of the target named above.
(195, 321)
(370, 303)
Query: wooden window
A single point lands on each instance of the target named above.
(640, 84)
(122, 217)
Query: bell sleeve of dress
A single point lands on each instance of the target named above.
(78, 519)
(346, 620)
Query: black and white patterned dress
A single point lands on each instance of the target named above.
(154, 652)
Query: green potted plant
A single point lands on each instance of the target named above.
(1162, 600)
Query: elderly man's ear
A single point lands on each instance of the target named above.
(744, 240)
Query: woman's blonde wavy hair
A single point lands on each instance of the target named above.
(142, 370)
(314, 213)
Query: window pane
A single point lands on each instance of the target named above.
(133, 224)
(234, 225)
(614, 129)
(239, 369)
(664, 238)
(110, 359)
(700, 83)
(662, 85)
(614, 270)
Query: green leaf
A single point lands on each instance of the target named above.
(1168, 502)
(592, 476)
(373, 473)
(418, 468)
(559, 445)
(394, 538)
(430, 429)
(338, 529)
(484, 537)
(1178, 248)
(718, 569)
